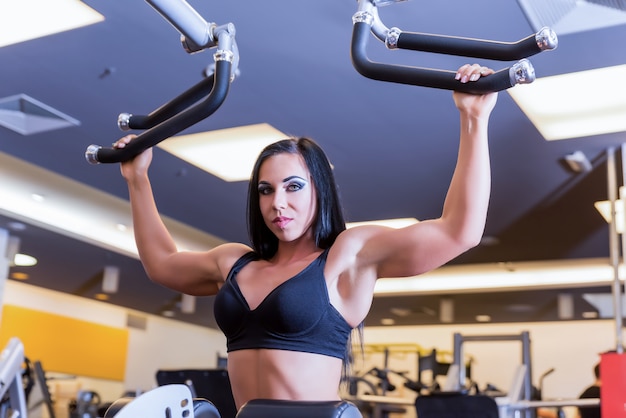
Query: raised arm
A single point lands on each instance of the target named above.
(195, 273)
(431, 243)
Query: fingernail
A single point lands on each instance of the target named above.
(457, 76)
(474, 77)
(464, 79)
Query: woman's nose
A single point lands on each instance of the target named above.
(280, 201)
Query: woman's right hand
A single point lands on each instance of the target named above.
(137, 166)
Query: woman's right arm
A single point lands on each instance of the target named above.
(194, 273)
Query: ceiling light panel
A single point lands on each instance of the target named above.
(494, 277)
(577, 104)
(24, 20)
(226, 153)
(391, 223)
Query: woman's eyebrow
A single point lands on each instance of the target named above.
(293, 177)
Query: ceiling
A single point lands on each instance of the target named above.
(393, 146)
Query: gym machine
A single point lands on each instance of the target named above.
(12, 398)
(372, 395)
(176, 401)
(195, 104)
(516, 402)
(173, 401)
(522, 72)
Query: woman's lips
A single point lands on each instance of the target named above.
(281, 221)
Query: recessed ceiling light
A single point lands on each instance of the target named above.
(29, 19)
(483, 318)
(226, 153)
(387, 321)
(102, 296)
(168, 313)
(590, 315)
(24, 260)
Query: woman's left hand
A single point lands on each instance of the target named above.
(475, 104)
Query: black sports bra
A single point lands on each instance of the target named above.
(295, 316)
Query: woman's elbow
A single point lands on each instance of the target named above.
(467, 239)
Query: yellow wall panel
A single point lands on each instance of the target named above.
(67, 345)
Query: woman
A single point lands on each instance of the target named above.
(288, 304)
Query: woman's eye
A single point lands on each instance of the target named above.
(265, 190)
(294, 187)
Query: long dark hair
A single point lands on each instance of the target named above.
(329, 220)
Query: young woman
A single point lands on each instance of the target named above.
(288, 303)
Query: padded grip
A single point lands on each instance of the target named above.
(477, 48)
(271, 408)
(442, 79)
(171, 108)
(201, 408)
(190, 116)
(204, 409)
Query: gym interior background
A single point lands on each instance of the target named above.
(156, 343)
(542, 214)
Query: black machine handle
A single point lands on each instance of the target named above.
(544, 40)
(127, 121)
(188, 108)
(96, 154)
(366, 20)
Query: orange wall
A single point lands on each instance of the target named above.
(67, 345)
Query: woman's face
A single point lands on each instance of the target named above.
(287, 196)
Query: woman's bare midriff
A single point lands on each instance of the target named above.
(280, 374)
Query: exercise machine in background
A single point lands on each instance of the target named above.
(366, 20)
(195, 104)
(12, 397)
(518, 401)
(211, 384)
(173, 401)
(373, 390)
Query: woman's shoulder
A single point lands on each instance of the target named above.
(227, 255)
(350, 243)
(353, 239)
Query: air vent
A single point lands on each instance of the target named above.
(27, 116)
(572, 16)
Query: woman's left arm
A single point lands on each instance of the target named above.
(429, 244)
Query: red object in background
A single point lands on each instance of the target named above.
(613, 388)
